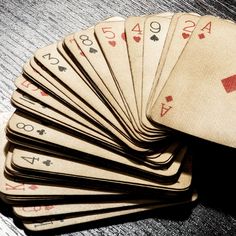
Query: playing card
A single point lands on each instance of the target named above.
(161, 61)
(34, 162)
(50, 224)
(199, 94)
(134, 38)
(57, 210)
(155, 33)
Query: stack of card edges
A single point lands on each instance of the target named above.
(101, 118)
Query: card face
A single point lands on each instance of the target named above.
(55, 165)
(199, 95)
(155, 33)
(134, 29)
(161, 61)
(61, 222)
(34, 212)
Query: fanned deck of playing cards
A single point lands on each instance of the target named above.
(100, 115)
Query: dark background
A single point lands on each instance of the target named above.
(26, 25)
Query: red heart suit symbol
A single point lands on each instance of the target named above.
(112, 43)
(123, 36)
(185, 35)
(136, 38)
(43, 93)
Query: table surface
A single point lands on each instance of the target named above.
(26, 25)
